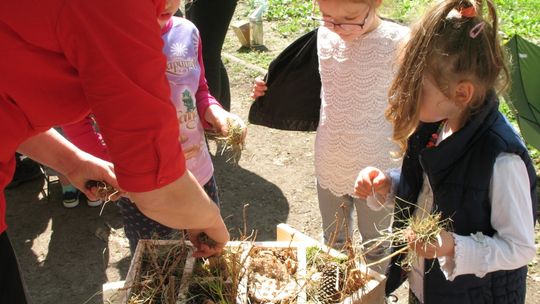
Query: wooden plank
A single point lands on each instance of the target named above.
(286, 233)
(112, 292)
(372, 293)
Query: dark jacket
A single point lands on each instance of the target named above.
(293, 99)
(459, 172)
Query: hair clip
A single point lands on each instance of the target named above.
(477, 29)
(468, 12)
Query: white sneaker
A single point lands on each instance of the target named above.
(95, 203)
(70, 199)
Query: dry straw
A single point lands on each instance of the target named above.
(161, 273)
(426, 230)
(233, 142)
(217, 279)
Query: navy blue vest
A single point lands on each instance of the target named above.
(459, 172)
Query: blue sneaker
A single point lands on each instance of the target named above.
(70, 196)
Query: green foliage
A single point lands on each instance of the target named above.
(520, 17)
(517, 16)
(288, 9)
(292, 16)
(403, 11)
(315, 255)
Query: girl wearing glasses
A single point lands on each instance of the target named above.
(356, 51)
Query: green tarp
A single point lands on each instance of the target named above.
(525, 90)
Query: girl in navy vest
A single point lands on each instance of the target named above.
(461, 158)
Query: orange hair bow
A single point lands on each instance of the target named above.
(468, 12)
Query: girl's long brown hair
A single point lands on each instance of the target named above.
(441, 45)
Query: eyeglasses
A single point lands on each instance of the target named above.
(348, 27)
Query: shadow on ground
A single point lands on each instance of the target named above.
(64, 253)
(238, 186)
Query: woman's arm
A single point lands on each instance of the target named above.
(52, 149)
(183, 204)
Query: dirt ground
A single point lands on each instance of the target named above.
(67, 254)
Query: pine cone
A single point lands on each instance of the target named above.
(331, 283)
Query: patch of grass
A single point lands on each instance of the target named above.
(520, 17)
(256, 57)
(516, 16)
(290, 17)
(403, 11)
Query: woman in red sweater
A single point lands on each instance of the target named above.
(61, 59)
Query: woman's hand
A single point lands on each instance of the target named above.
(183, 204)
(371, 180)
(92, 168)
(443, 247)
(210, 241)
(78, 166)
(259, 88)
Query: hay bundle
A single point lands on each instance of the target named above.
(233, 142)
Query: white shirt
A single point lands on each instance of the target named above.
(511, 247)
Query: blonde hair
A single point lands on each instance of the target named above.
(450, 47)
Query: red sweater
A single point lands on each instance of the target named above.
(60, 59)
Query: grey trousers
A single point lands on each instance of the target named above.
(337, 214)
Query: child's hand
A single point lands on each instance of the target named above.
(372, 180)
(217, 117)
(259, 88)
(445, 246)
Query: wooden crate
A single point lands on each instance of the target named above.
(242, 32)
(243, 288)
(287, 237)
(373, 292)
(136, 263)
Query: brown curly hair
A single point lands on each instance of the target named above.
(441, 45)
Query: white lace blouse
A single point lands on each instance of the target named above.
(353, 132)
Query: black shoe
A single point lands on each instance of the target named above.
(25, 171)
